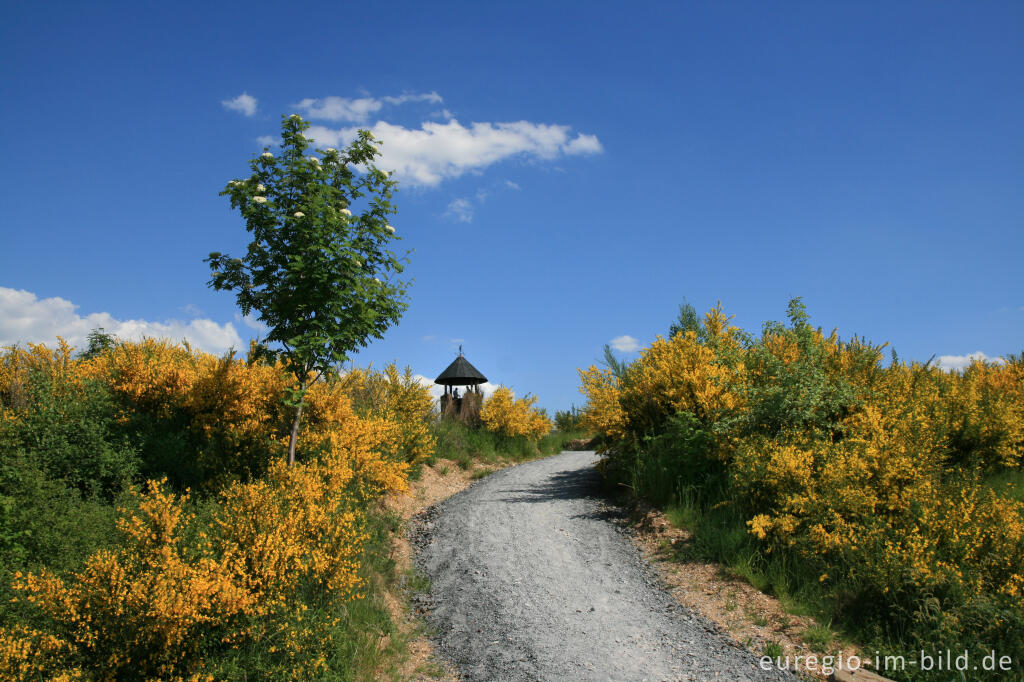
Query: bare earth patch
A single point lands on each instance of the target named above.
(754, 618)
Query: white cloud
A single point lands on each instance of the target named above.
(267, 140)
(244, 104)
(191, 310)
(958, 362)
(584, 144)
(432, 97)
(358, 110)
(439, 151)
(436, 391)
(251, 321)
(25, 318)
(340, 108)
(625, 344)
(511, 185)
(459, 211)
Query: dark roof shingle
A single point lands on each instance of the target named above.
(460, 373)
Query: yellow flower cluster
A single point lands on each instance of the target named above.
(397, 396)
(17, 364)
(504, 415)
(333, 430)
(882, 499)
(870, 470)
(685, 374)
(143, 607)
(604, 414)
(232, 409)
(177, 585)
(681, 374)
(29, 654)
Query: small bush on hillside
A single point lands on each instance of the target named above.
(568, 421)
(397, 396)
(505, 415)
(62, 422)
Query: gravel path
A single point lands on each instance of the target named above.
(531, 580)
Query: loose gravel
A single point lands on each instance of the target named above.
(532, 579)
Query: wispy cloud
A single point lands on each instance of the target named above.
(959, 362)
(266, 140)
(26, 318)
(450, 341)
(432, 97)
(359, 109)
(459, 211)
(244, 104)
(625, 344)
(435, 151)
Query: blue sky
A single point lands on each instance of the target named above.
(569, 173)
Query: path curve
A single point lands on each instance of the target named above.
(532, 580)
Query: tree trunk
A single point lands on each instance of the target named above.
(295, 434)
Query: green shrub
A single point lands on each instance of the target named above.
(569, 421)
(67, 430)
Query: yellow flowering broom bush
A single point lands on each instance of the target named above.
(176, 592)
(193, 585)
(603, 415)
(201, 420)
(870, 474)
(688, 373)
(507, 416)
(18, 363)
(397, 396)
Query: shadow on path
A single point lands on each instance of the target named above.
(582, 484)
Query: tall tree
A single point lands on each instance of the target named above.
(318, 271)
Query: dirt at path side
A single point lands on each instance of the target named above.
(531, 580)
(749, 615)
(438, 482)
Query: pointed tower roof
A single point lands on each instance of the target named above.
(460, 373)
